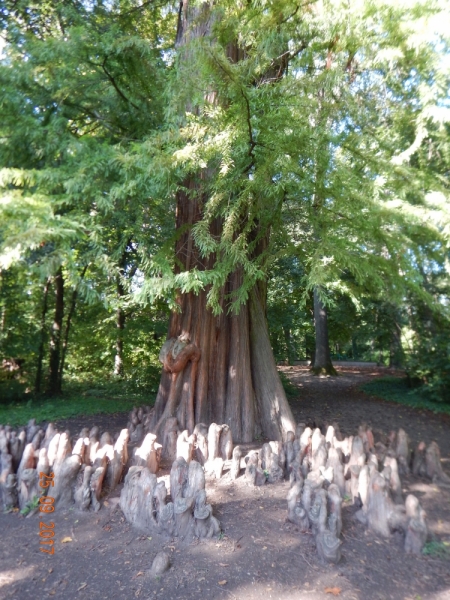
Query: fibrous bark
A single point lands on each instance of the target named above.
(117, 464)
(236, 463)
(143, 501)
(16, 448)
(417, 530)
(270, 464)
(28, 488)
(296, 512)
(419, 467)
(394, 479)
(65, 479)
(136, 498)
(228, 373)
(322, 356)
(148, 454)
(54, 383)
(403, 453)
(185, 445)
(253, 473)
(82, 495)
(206, 526)
(434, 468)
(201, 446)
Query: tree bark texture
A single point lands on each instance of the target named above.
(38, 380)
(322, 357)
(226, 371)
(65, 341)
(120, 321)
(229, 375)
(54, 384)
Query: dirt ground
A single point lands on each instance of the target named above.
(259, 554)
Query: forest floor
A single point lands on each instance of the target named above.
(259, 554)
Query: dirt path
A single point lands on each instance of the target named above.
(259, 555)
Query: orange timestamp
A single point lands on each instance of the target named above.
(46, 502)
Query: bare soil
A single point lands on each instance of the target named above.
(259, 554)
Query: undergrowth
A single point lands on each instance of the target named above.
(396, 389)
(78, 400)
(290, 389)
(438, 549)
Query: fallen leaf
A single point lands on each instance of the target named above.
(149, 538)
(106, 503)
(82, 586)
(140, 573)
(223, 565)
(50, 570)
(65, 540)
(334, 590)
(223, 582)
(264, 547)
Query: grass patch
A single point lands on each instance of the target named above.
(290, 389)
(77, 401)
(438, 549)
(396, 389)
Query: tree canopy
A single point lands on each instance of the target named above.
(317, 134)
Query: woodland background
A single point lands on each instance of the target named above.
(346, 155)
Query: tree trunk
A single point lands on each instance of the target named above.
(67, 329)
(54, 384)
(120, 324)
(226, 371)
(38, 380)
(216, 368)
(120, 313)
(395, 346)
(322, 357)
(291, 355)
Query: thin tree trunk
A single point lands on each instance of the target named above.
(54, 387)
(120, 324)
(67, 329)
(3, 310)
(120, 314)
(38, 379)
(289, 346)
(322, 357)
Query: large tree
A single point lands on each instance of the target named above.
(219, 367)
(266, 130)
(283, 105)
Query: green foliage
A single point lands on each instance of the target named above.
(79, 400)
(291, 390)
(30, 506)
(322, 153)
(437, 549)
(396, 389)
